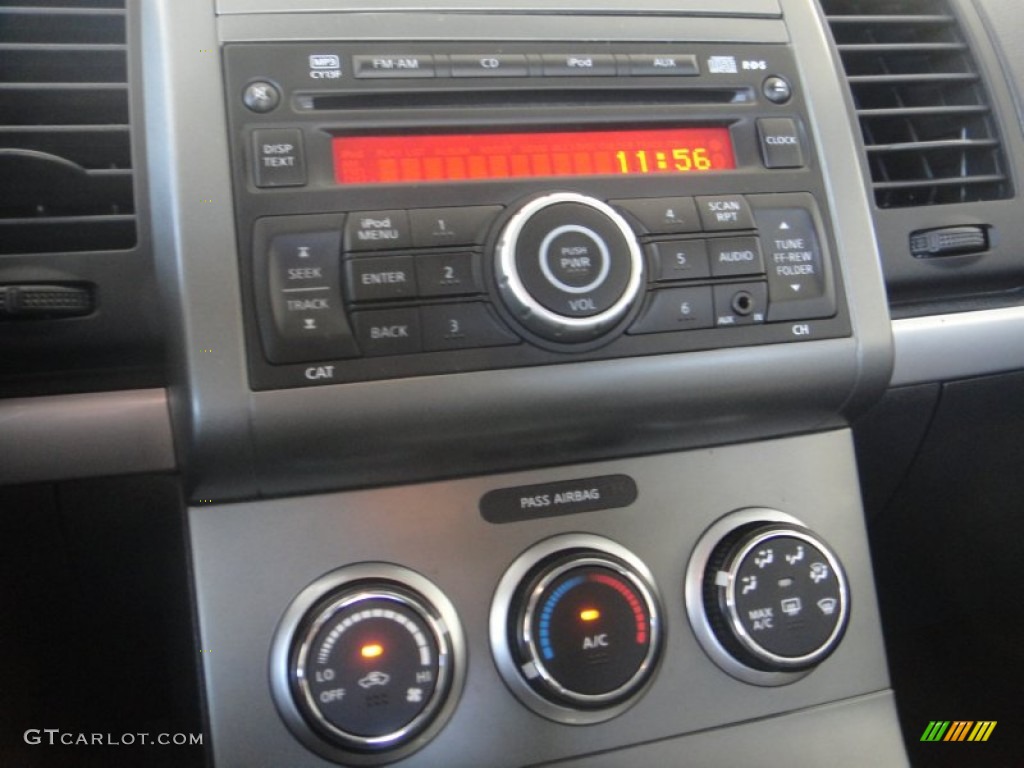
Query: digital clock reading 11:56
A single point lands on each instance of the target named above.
(681, 159)
(412, 158)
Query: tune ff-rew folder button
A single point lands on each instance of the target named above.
(576, 629)
(568, 267)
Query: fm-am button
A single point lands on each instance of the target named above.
(388, 331)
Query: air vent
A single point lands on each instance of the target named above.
(928, 128)
(65, 148)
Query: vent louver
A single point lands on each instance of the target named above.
(928, 129)
(66, 181)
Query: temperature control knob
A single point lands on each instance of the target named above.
(568, 267)
(371, 666)
(582, 633)
(775, 597)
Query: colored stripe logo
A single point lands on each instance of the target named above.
(958, 730)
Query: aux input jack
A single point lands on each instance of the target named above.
(743, 303)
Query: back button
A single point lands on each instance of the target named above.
(388, 331)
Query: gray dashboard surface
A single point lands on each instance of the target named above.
(674, 7)
(252, 559)
(44, 439)
(834, 735)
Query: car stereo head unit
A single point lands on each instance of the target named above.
(431, 208)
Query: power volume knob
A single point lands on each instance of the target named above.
(568, 267)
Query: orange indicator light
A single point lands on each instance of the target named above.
(590, 614)
(371, 651)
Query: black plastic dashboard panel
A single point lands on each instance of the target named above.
(434, 100)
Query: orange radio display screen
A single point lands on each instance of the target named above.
(489, 156)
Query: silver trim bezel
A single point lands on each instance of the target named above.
(591, 549)
(529, 311)
(366, 579)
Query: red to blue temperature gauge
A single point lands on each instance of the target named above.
(587, 631)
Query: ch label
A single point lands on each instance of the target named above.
(595, 641)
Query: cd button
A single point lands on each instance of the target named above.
(585, 64)
(377, 230)
(663, 215)
(378, 278)
(388, 331)
(490, 65)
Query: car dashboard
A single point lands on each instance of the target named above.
(488, 383)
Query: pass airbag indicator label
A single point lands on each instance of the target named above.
(529, 502)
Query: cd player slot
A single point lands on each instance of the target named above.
(497, 99)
